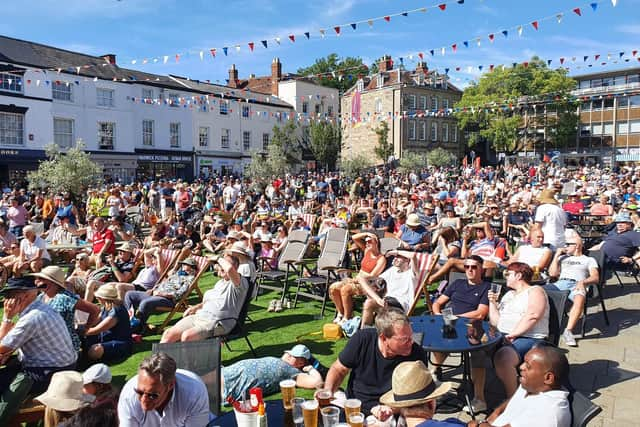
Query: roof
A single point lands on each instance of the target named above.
(397, 77)
(262, 84)
(621, 72)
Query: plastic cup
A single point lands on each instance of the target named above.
(288, 389)
(298, 420)
(356, 419)
(351, 406)
(496, 289)
(323, 397)
(246, 419)
(310, 413)
(447, 316)
(330, 416)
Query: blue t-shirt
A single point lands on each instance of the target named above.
(168, 192)
(465, 297)
(617, 244)
(414, 236)
(122, 330)
(266, 372)
(449, 422)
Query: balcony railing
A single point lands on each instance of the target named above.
(606, 89)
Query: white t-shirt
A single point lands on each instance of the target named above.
(530, 255)
(30, 250)
(400, 286)
(554, 221)
(548, 409)
(576, 267)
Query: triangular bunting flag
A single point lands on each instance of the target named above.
(292, 37)
(264, 43)
(458, 68)
(535, 24)
(621, 54)
(526, 64)
(446, 71)
(454, 48)
(370, 22)
(225, 50)
(387, 18)
(165, 59)
(322, 33)
(420, 55)
(561, 61)
(491, 37)
(548, 62)
(577, 11)
(251, 44)
(354, 25)
(559, 17)
(460, 1)
(597, 57)
(465, 43)
(480, 67)
(405, 14)
(201, 56)
(307, 35)
(431, 52)
(491, 67)
(213, 52)
(442, 51)
(442, 6)
(337, 30)
(519, 30)
(614, 2)
(584, 58)
(594, 6)
(634, 52)
(177, 57)
(478, 41)
(505, 33)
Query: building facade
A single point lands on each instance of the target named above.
(417, 106)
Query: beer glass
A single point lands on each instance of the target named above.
(310, 413)
(288, 389)
(356, 419)
(323, 396)
(351, 406)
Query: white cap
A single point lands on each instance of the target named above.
(98, 373)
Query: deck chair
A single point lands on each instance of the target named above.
(316, 285)
(310, 220)
(426, 262)
(389, 244)
(239, 330)
(182, 304)
(557, 301)
(168, 259)
(596, 290)
(203, 359)
(292, 253)
(583, 410)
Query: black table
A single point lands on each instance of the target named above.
(469, 337)
(276, 416)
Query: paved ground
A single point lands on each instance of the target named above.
(606, 364)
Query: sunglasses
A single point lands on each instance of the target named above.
(471, 267)
(151, 396)
(570, 244)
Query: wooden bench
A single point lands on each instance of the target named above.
(30, 412)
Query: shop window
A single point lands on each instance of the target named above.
(11, 82)
(63, 132)
(106, 135)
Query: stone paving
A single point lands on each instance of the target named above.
(606, 364)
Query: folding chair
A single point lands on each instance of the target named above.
(239, 330)
(330, 260)
(182, 304)
(310, 220)
(389, 244)
(583, 410)
(596, 290)
(203, 359)
(168, 258)
(292, 253)
(426, 262)
(557, 301)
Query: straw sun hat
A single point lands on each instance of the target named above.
(107, 292)
(65, 392)
(411, 385)
(546, 196)
(52, 273)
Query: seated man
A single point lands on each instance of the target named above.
(7, 239)
(119, 269)
(371, 355)
(267, 372)
(468, 298)
(164, 294)
(399, 279)
(103, 242)
(413, 236)
(534, 254)
(575, 272)
(540, 396)
(217, 313)
(42, 340)
(161, 394)
(621, 244)
(33, 253)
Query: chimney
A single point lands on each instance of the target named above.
(110, 58)
(233, 76)
(421, 67)
(276, 75)
(385, 64)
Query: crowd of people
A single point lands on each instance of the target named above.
(84, 272)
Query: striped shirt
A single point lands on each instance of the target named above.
(42, 338)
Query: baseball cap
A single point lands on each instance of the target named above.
(98, 373)
(300, 350)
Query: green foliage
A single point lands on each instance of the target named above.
(72, 171)
(324, 142)
(354, 167)
(495, 105)
(333, 65)
(412, 161)
(439, 157)
(384, 149)
(283, 153)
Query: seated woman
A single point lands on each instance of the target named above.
(77, 280)
(147, 277)
(110, 339)
(602, 207)
(63, 398)
(33, 253)
(12, 256)
(373, 263)
(447, 244)
(523, 317)
(413, 236)
(268, 255)
(450, 219)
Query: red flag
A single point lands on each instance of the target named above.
(292, 38)
(177, 57)
(337, 30)
(535, 25)
(477, 163)
(421, 56)
(597, 56)
(442, 6)
(491, 67)
(454, 47)
(491, 37)
(387, 18)
(634, 52)
(213, 52)
(561, 60)
(526, 64)
(251, 46)
(577, 11)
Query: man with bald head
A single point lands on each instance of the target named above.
(541, 399)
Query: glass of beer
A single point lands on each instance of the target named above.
(288, 389)
(356, 419)
(351, 406)
(310, 413)
(323, 396)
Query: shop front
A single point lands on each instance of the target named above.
(117, 167)
(16, 163)
(155, 165)
(212, 164)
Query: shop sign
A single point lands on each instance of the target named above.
(206, 162)
(163, 158)
(9, 152)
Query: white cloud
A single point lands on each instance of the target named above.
(336, 8)
(629, 29)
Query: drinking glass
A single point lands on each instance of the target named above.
(351, 406)
(298, 420)
(496, 289)
(356, 419)
(310, 413)
(330, 416)
(288, 389)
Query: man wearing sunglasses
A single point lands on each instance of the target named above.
(162, 395)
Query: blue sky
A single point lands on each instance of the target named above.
(147, 29)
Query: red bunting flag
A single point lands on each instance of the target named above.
(577, 11)
(337, 30)
(454, 47)
(491, 67)
(213, 52)
(535, 25)
(251, 45)
(491, 37)
(421, 55)
(634, 52)
(292, 38)
(561, 60)
(457, 68)
(597, 57)
(526, 64)
(442, 6)
(387, 18)
(177, 57)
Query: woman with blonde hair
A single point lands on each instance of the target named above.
(110, 339)
(63, 398)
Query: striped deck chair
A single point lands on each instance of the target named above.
(168, 259)
(310, 219)
(426, 262)
(182, 304)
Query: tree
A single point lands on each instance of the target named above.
(72, 171)
(354, 167)
(439, 157)
(412, 162)
(335, 72)
(282, 154)
(384, 149)
(324, 142)
(506, 106)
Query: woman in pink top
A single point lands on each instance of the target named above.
(17, 215)
(602, 208)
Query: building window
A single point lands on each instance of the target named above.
(246, 140)
(585, 130)
(411, 102)
(318, 108)
(585, 106)
(434, 102)
(265, 141)
(63, 132)
(379, 81)
(412, 130)
(104, 97)
(224, 108)
(147, 133)
(62, 91)
(596, 129)
(623, 129)
(330, 110)
(378, 105)
(608, 103)
(596, 105)
(147, 93)
(11, 82)
(423, 102)
(634, 126)
(174, 100)
(106, 135)
(360, 85)
(305, 107)
(174, 134)
(434, 131)
(607, 128)
(422, 130)
(445, 103)
(445, 132)
(246, 111)
(224, 139)
(11, 129)
(203, 136)
(454, 134)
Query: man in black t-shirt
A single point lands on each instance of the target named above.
(371, 355)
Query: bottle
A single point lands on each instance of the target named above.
(262, 416)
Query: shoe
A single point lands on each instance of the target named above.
(338, 319)
(569, 339)
(286, 303)
(278, 308)
(477, 405)
(272, 305)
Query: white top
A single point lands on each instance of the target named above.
(514, 306)
(554, 221)
(30, 250)
(188, 407)
(531, 255)
(576, 267)
(548, 409)
(400, 286)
